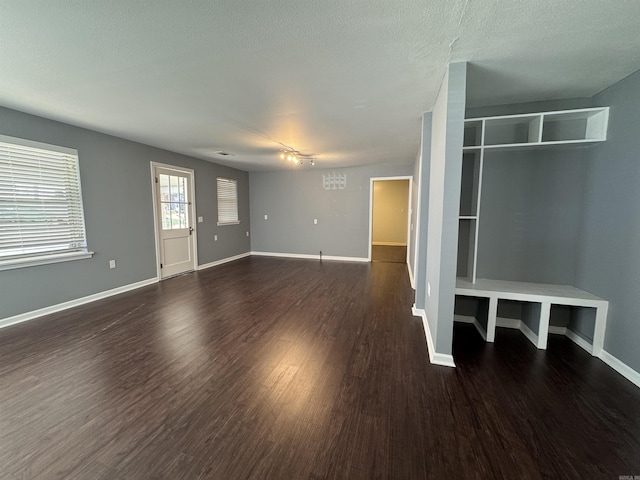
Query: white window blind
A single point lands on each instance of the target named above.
(227, 201)
(40, 201)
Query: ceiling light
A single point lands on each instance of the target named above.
(294, 156)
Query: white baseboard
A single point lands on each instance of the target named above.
(553, 330)
(508, 323)
(514, 324)
(622, 368)
(411, 279)
(530, 334)
(390, 244)
(619, 366)
(434, 357)
(578, 340)
(224, 260)
(311, 257)
(473, 321)
(23, 317)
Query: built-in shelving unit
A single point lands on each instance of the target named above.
(536, 129)
(493, 134)
(533, 130)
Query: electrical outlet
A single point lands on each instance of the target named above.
(247, 234)
(315, 221)
(266, 217)
(428, 289)
(215, 238)
(200, 219)
(112, 264)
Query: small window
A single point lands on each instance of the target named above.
(227, 202)
(41, 217)
(174, 204)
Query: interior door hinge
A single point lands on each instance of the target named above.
(156, 179)
(160, 265)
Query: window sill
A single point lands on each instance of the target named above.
(43, 260)
(220, 224)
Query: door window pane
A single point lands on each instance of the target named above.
(174, 205)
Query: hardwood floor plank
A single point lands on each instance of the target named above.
(283, 368)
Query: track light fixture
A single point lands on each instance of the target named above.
(294, 156)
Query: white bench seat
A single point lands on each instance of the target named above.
(543, 295)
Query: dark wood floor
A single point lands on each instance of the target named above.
(389, 253)
(294, 369)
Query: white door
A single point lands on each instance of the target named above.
(174, 210)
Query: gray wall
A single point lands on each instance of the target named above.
(530, 214)
(609, 252)
(413, 219)
(421, 209)
(117, 198)
(444, 202)
(292, 199)
(531, 205)
(583, 228)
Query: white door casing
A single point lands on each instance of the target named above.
(409, 209)
(174, 209)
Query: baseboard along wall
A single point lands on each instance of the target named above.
(436, 358)
(310, 256)
(622, 368)
(24, 317)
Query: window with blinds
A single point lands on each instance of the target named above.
(40, 203)
(227, 201)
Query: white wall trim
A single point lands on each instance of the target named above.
(43, 260)
(416, 227)
(557, 330)
(411, 279)
(434, 357)
(508, 323)
(514, 324)
(310, 257)
(156, 214)
(473, 321)
(409, 207)
(23, 317)
(223, 260)
(622, 368)
(578, 340)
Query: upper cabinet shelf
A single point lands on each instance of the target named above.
(537, 129)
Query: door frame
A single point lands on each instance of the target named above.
(409, 209)
(192, 214)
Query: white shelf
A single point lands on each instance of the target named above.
(510, 132)
(523, 146)
(586, 125)
(541, 295)
(518, 132)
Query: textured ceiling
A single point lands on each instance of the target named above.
(346, 81)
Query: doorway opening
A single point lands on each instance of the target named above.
(174, 217)
(390, 211)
